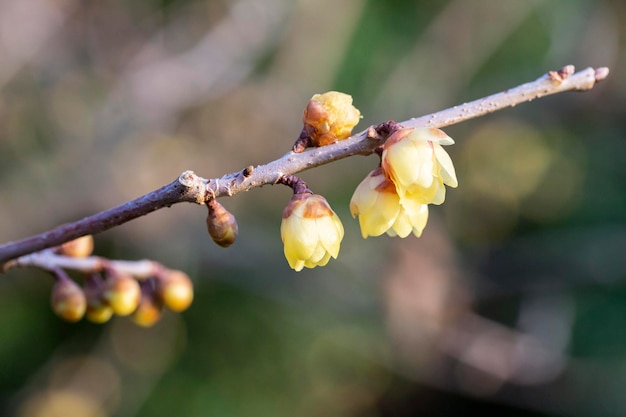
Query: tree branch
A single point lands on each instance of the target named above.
(191, 188)
(49, 260)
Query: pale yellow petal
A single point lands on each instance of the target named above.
(330, 232)
(431, 134)
(294, 263)
(412, 218)
(419, 218)
(378, 220)
(299, 236)
(364, 197)
(440, 193)
(400, 162)
(401, 227)
(422, 195)
(318, 253)
(321, 262)
(447, 168)
(424, 165)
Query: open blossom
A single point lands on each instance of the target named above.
(330, 117)
(380, 210)
(418, 165)
(310, 231)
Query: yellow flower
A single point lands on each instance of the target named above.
(380, 210)
(310, 231)
(418, 166)
(330, 117)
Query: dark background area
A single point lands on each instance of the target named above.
(512, 302)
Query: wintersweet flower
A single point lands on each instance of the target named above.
(418, 165)
(310, 231)
(330, 117)
(380, 210)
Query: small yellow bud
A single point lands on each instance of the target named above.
(148, 311)
(327, 118)
(121, 293)
(99, 315)
(175, 290)
(67, 299)
(221, 224)
(98, 311)
(78, 248)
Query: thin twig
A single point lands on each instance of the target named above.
(191, 188)
(49, 260)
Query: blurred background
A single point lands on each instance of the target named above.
(513, 301)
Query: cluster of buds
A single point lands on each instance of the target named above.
(392, 199)
(111, 288)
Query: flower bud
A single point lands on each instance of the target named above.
(311, 231)
(98, 311)
(175, 290)
(121, 293)
(78, 248)
(327, 118)
(99, 315)
(221, 224)
(67, 298)
(148, 311)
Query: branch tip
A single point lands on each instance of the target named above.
(601, 73)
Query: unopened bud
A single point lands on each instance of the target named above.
(78, 248)
(99, 315)
(98, 311)
(221, 224)
(67, 298)
(327, 118)
(122, 293)
(149, 310)
(175, 290)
